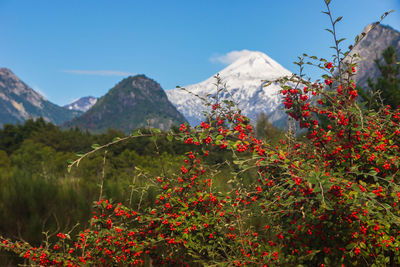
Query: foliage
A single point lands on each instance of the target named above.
(266, 131)
(37, 194)
(330, 200)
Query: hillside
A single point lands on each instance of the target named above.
(133, 103)
(19, 102)
(371, 48)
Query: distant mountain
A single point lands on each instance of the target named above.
(371, 48)
(243, 80)
(132, 103)
(82, 104)
(19, 102)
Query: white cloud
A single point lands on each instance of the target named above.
(100, 72)
(230, 57)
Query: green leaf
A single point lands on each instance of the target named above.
(338, 19)
(169, 138)
(373, 173)
(219, 137)
(327, 2)
(156, 131)
(313, 179)
(262, 163)
(274, 157)
(317, 189)
(351, 245)
(329, 30)
(327, 260)
(137, 133)
(95, 146)
(340, 40)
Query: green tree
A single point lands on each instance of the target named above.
(4, 160)
(265, 130)
(386, 90)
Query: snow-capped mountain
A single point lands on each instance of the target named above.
(244, 81)
(82, 104)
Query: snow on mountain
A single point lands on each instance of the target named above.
(82, 104)
(244, 81)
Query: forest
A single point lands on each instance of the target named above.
(38, 194)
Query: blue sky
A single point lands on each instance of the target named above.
(69, 49)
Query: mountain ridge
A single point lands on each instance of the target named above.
(371, 48)
(19, 102)
(134, 102)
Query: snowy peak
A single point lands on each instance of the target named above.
(255, 65)
(82, 104)
(244, 82)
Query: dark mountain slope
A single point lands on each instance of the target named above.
(133, 103)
